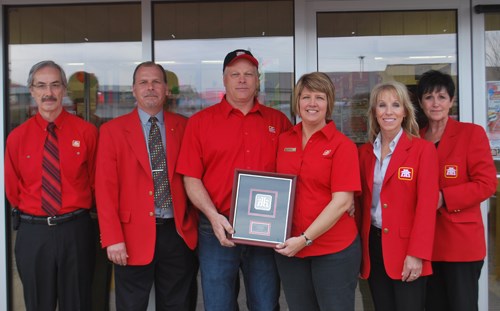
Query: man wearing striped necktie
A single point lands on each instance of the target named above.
(147, 226)
(49, 181)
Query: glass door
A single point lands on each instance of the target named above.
(360, 49)
(492, 75)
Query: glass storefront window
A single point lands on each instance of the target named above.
(98, 46)
(492, 57)
(84, 40)
(360, 49)
(192, 39)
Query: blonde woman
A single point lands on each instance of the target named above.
(397, 207)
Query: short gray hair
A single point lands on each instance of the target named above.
(43, 64)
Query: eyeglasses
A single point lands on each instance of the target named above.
(52, 86)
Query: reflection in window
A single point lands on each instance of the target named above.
(84, 40)
(492, 56)
(361, 49)
(192, 39)
(98, 46)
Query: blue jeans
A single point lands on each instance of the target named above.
(220, 267)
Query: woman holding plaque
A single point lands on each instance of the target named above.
(467, 176)
(398, 202)
(319, 264)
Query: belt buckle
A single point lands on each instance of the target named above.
(49, 222)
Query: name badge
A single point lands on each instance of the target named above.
(290, 149)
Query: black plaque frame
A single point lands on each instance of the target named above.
(261, 207)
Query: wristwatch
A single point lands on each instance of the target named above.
(309, 242)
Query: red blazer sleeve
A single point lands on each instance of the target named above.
(467, 176)
(107, 189)
(476, 180)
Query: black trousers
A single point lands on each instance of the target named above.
(389, 294)
(56, 264)
(454, 286)
(101, 281)
(173, 271)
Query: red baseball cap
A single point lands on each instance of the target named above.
(239, 54)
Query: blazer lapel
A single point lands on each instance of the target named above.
(136, 140)
(449, 139)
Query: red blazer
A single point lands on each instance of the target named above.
(467, 176)
(125, 191)
(408, 202)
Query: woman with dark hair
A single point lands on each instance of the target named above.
(467, 176)
(396, 215)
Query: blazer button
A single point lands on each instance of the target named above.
(150, 193)
(151, 214)
(386, 230)
(384, 206)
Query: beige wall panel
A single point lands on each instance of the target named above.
(31, 25)
(233, 17)
(186, 21)
(73, 21)
(210, 21)
(391, 23)
(415, 23)
(368, 24)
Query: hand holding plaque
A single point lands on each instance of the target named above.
(261, 207)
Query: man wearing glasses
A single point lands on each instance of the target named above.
(49, 180)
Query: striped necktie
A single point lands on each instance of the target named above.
(163, 198)
(51, 174)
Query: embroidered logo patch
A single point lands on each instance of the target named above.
(450, 171)
(405, 173)
(327, 152)
(75, 143)
(272, 129)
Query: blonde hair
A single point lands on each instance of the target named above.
(409, 124)
(315, 82)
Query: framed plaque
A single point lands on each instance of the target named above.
(261, 207)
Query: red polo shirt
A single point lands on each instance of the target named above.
(328, 163)
(220, 139)
(77, 141)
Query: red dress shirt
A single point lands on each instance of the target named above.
(220, 139)
(77, 141)
(327, 164)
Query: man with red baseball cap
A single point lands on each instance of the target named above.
(239, 54)
(238, 132)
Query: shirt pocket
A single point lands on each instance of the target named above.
(74, 164)
(30, 166)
